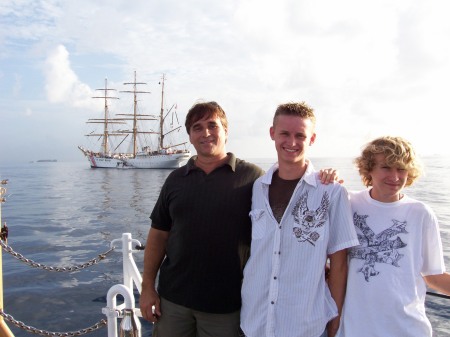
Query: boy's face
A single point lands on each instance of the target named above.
(292, 136)
(387, 181)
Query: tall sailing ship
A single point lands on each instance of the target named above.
(105, 158)
(142, 153)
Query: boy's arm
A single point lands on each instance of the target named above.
(337, 282)
(440, 282)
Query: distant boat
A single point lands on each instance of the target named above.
(46, 161)
(141, 154)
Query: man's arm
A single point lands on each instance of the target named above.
(155, 251)
(440, 282)
(337, 282)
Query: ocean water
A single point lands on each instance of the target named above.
(64, 214)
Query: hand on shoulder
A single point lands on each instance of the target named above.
(329, 175)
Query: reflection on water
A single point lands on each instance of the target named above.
(64, 214)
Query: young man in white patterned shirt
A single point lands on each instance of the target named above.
(297, 223)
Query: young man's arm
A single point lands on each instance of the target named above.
(440, 282)
(328, 176)
(155, 251)
(337, 282)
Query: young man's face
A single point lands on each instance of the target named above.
(208, 137)
(292, 136)
(387, 181)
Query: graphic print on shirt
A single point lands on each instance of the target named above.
(309, 220)
(377, 248)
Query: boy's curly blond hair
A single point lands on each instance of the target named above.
(398, 153)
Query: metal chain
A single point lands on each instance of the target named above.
(34, 264)
(31, 329)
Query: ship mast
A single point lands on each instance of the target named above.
(106, 120)
(135, 115)
(161, 116)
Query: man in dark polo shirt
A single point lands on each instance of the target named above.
(200, 236)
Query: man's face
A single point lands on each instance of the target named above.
(208, 137)
(292, 136)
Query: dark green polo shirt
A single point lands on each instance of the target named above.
(208, 219)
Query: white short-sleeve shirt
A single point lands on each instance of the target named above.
(284, 291)
(399, 243)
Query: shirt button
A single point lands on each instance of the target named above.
(274, 277)
(272, 302)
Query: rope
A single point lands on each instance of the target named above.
(31, 329)
(34, 264)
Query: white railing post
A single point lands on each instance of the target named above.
(112, 310)
(131, 272)
(131, 278)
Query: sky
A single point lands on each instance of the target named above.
(368, 68)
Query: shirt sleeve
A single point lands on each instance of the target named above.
(160, 216)
(342, 231)
(433, 257)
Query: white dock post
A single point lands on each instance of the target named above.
(111, 312)
(131, 278)
(131, 275)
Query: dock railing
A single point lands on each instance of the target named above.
(131, 278)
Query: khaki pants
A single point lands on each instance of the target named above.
(179, 321)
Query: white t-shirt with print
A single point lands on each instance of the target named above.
(399, 243)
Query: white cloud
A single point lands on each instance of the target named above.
(62, 84)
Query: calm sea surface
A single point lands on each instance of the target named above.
(64, 214)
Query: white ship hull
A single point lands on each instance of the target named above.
(102, 162)
(159, 161)
(97, 160)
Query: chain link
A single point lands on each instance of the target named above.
(31, 329)
(34, 264)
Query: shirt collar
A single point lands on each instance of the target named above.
(309, 177)
(190, 166)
